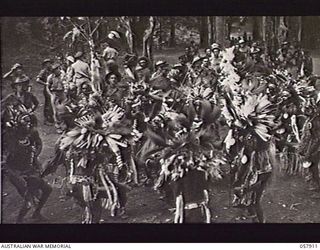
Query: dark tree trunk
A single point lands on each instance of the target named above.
(148, 39)
(160, 33)
(210, 34)
(129, 24)
(228, 22)
(203, 32)
(220, 30)
(294, 23)
(310, 31)
(281, 27)
(270, 33)
(257, 33)
(172, 39)
(213, 27)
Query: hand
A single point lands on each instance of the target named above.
(14, 67)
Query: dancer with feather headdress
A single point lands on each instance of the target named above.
(248, 145)
(21, 165)
(309, 146)
(95, 153)
(189, 156)
(293, 98)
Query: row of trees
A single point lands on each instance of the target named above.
(270, 29)
(148, 32)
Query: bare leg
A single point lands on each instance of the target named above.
(18, 183)
(23, 211)
(259, 213)
(37, 184)
(96, 211)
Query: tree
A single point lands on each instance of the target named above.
(310, 31)
(86, 27)
(129, 23)
(210, 30)
(270, 33)
(282, 29)
(147, 48)
(203, 28)
(220, 30)
(257, 32)
(172, 38)
(160, 33)
(295, 24)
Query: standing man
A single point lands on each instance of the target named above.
(81, 71)
(216, 57)
(307, 63)
(110, 56)
(23, 146)
(42, 79)
(309, 147)
(282, 55)
(143, 71)
(56, 90)
(68, 78)
(243, 48)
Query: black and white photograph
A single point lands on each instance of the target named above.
(160, 119)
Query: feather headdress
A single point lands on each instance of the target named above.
(229, 78)
(200, 92)
(97, 133)
(187, 146)
(255, 114)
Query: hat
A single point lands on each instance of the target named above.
(22, 79)
(129, 57)
(241, 41)
(17, 65)
(138, 68)
(177, 66)
(78, 54)
(143, 58)
(215, 46)
(117, 74)
(160, 63)
(114, 34)
(70, 59)
(255, 51)
(285, 43)
(55, 66)
(197, 59)
(47, 60)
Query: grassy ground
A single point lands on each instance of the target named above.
(285, 201)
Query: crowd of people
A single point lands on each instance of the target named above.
(125, 122)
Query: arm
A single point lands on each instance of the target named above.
(41, 78)
(104, 53)
(295, 127)
(37, 142)
(88, 71)
(35, 103)
(70, 74)
(49, 83)
(38, 80)
(7, 75)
